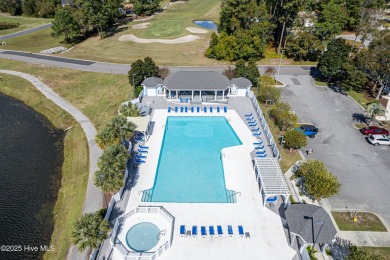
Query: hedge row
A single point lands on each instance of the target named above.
(8, 25)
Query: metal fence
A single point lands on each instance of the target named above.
(264, 125)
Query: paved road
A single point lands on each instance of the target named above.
(115, 68)
(362, 168)
(21, 33)
(93, 198)
(351, 37)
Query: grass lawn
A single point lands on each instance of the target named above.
(365, 222)
(25, 23)
(98, 96)
(381, 251)
(71, 194)
(358, 97)
(33, 42)
(320, 83)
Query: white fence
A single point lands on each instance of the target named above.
(264, 125)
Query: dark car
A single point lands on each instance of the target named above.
(308, 130)
(374, 130)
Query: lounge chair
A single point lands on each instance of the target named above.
(249, 118)
(249, 114)
(137, 161)
(186, 109)
(255, 130)
(251, 122)
(258, 143)
(182, 230)
(273, 200)
(211, 231)
(142, 151)
(205, 109)
(230, 230)
(203, 231)
(169, 109)
(218, 109)
(181, 109)
(261, 155)
(198, 109)
(255, 124)
(144, 147)
(261, 152)
(241, 231)
(211, 109)
(256, 134)
(220, 231)
(139, 156)
(225, 109)
(192, 109)
(176, 109)
(261, 147)
(186, 100)
(194, 231)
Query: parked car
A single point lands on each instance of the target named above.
(308, 130)
(379, 139)
(374, 130)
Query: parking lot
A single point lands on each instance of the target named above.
(363, 169)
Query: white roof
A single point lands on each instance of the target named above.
(271, 177)
(141, 122)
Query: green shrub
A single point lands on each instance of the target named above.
(267, 92)
(283, 116)
(294, 139)
(8, 25)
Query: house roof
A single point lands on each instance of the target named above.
(306, 221)
(241, 82)
(152, 82)
(196, 80)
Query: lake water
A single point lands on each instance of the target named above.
(206, 24)
(31, 155)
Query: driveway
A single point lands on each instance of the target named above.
(363, 170)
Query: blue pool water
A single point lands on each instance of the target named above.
(190, 165)
(206, 24)
(143, 236)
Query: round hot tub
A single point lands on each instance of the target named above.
(143, 236)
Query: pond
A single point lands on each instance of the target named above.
(31, 156)
(206, 24)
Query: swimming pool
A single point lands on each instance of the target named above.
(190, 163)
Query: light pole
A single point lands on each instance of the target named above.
(132, 76)
(280, 61)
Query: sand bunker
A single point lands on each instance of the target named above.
(196, 30)
(184, 39)
(140, 26)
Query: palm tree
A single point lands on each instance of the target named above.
(375, 109)
(90, 230)
(112, 132)
(129, 110)
(105, 137)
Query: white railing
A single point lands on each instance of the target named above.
(264, 125)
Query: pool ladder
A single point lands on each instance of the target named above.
(162, 232)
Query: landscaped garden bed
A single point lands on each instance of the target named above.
(365, 221)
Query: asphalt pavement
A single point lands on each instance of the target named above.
(21, 33)
(362, 169)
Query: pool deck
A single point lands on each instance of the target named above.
(267, 236)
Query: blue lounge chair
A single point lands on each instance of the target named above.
(205, 109)
(218, 109)
(273, 200)
(249, 114)
(219, 230)
(258, 143)
(211, 230)
(186, 100)
(261, 155)
(144, 147)
(182, 230)
(261, 147)
(255, 130)
(249, 118)
(203, 231)
(230, 230)
(176, 109)
(181, 109)
(186, 109)
(194, 230)
(192, 109)
(211, 109)
(251, 122)
(169, 109)
(261, 152)
(257, 134)
(225, 109)
(138, 161)
(139, 156)
(255, 124)
(198, 109)
(241, 231)
(142, 151)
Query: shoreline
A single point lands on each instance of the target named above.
(75, 165)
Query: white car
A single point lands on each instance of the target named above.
(379, 139)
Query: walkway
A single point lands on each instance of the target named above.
(21, 33)
(93, 198)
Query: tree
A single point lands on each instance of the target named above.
(283, 116)
(90, 230)
(252, 73)
(163, 72)
(14, 7)
(268, 92)
(359, 253)
(64, 24)
(140, 70)
(229, 72)
(112, 133)
(333, 58)
(149, 68)
(303, 46)
(112, 165)
(294, 139)
(146, 7)
(375, 109)
(350, 77)
(129, 110)
(331, 19)
(240, 70)
(318, 181)
(210, 52)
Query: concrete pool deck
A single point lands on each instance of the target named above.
(267, 238)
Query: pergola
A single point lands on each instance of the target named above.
(141, 123)
(271, 179)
